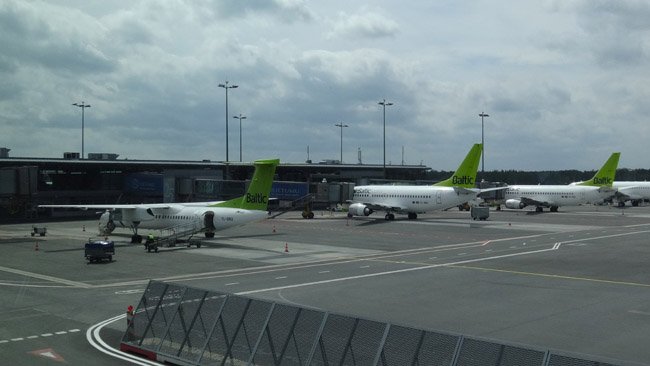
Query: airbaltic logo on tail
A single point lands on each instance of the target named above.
(256, 198)
(603, 181)
(462, 180)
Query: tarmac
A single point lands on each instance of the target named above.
(576, 281)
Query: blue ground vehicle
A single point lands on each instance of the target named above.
(98, 250)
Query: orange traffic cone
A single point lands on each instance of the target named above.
(286, 248)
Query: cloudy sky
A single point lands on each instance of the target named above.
(565, 82)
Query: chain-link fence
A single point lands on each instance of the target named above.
(189, 326)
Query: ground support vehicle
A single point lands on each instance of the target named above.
(40, 231)
(151, 244)
(98, 250)
(479, 213)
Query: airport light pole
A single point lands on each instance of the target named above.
(384, 103)
(83, 107)
(240, 117)
(341, 125)
(226, 86)
(482, 115)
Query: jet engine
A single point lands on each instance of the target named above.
(513, 203)
(359, 209)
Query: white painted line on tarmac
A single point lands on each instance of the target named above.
(341, 279)
(44, 335)
(45, 277)
(129, 292)
(92, 336)
(639, 312)
(281, 278)
(232, 284)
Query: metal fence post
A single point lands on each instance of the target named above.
(259, 339)
(146, 329)
(380, 349)
(317, 340)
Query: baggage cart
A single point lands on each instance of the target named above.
(480, 213)
(98, 250)
(40, 231)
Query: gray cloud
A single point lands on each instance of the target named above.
(560, 81)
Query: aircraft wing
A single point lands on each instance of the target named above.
(380, 207)
(531, 202)
(627, 193)
(483, 190)
(467, 191)
(110, 207)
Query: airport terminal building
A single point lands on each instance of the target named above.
(26, 183)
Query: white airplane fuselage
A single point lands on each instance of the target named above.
(632, 191)
(413, 199)
(214, 218)
(553, 195)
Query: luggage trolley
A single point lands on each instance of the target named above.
(99, 249)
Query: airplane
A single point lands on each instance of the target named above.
(411, 200)
(192, 216)
(635, 192)
(594, 190)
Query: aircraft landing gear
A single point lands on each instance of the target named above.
(554, 208)
(389, 217)
(539, 209)
(413, 216)
(136, 239)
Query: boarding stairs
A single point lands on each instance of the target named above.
(303, 202)
(168, 237)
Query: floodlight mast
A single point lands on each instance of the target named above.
(226, 86)
(240, 118)
(482, 115)
(83, 107)
(341, 125)
(384, 103)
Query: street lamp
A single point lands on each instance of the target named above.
(341, 125)
(482, 115)
(226, 86)
(384, 103)
(83, 107)
(240, 117)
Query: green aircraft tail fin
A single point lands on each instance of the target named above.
(605, 176)
(465, 175)
(257, 195)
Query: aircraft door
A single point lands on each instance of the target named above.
(208, 224)
(439, 198)
(208, 221)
